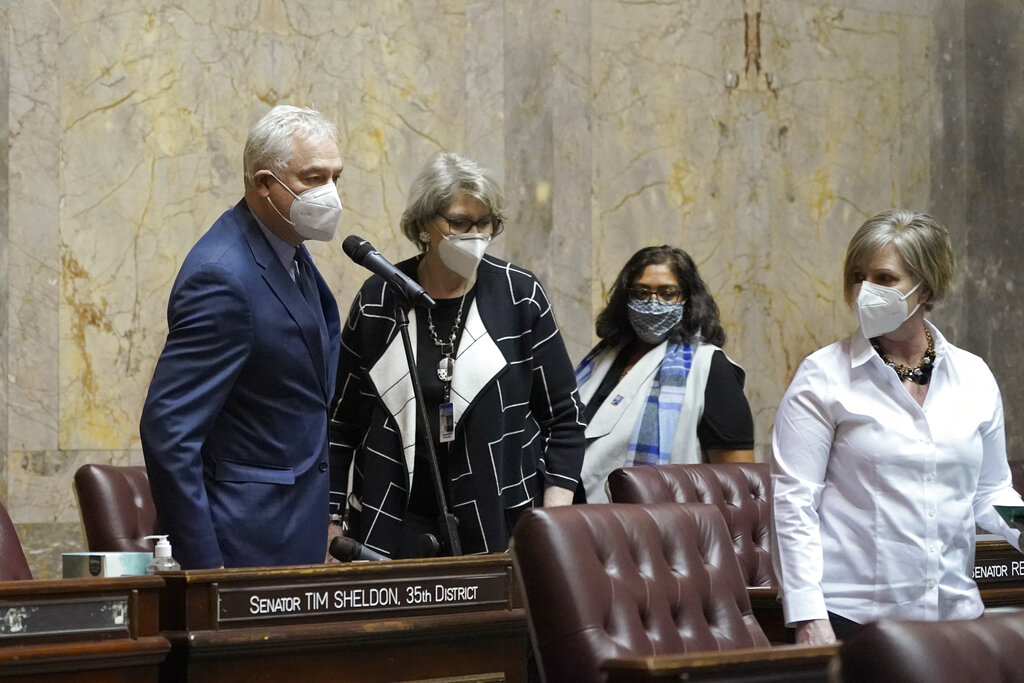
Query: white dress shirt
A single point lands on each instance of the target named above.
(875, 498)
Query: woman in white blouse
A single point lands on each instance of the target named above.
(888, 448)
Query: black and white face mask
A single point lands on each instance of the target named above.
(653, 320)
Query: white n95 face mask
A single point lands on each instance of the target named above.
(314, 213)
(462, 253)
(882, 309)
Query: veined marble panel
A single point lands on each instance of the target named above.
(529, 174)
(757, 136)
(570, 280)
(5, 200)
(918, 8)
(33, 165)
(484, 113)
(158, 100)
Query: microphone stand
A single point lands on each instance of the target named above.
(448, 522)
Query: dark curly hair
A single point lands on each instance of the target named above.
(700, 314)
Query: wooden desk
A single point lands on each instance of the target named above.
(768, 612)
(407, 620)
(81, 630)
(784, 664)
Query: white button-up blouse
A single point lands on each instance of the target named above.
(875, 498)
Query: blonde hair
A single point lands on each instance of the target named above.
(922, 243)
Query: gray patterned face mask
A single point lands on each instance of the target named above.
(652, 320)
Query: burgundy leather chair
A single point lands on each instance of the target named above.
(986, 649)
(13, 565)
(741, 491)
(606, 580)
(116, 506)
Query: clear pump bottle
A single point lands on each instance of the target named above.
(162, 560)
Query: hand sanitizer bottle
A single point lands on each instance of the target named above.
(162, 560)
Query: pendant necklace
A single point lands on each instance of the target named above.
(446, 366)
(919, 374)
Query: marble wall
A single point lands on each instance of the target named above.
(756, 134)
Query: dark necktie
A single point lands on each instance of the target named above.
(307, 285)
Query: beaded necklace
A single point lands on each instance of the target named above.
(920, 373)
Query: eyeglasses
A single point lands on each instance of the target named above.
(666, 294)
(462, 225)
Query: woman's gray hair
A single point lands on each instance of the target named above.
(269, 145)
(922, 243)
(444, 176)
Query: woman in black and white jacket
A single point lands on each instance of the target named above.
(498, 385)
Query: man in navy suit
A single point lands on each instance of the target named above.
(234, 430)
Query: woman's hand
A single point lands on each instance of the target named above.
(815, 632)
(333, 531)
(556, 495)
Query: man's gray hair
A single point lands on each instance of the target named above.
(269, 145)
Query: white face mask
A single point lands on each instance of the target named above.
(462, 253)
(882, 309)
(314, 213)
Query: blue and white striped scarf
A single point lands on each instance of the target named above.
(585, 369)
(651, 443)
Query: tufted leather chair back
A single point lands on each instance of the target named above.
(13, 565)
(987, 649)
(609, 580)
(740, 490)
(117, 507)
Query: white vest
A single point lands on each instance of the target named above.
(612, 426)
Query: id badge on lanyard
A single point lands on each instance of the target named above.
(446, 422)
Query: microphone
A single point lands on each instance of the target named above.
(363, 253)
(345, 549)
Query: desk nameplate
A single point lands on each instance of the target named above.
(380, 597)
(99, 615)
(998, 563)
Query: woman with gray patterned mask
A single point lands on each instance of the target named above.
(658, 388)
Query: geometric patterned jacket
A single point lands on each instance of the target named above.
(518, 418)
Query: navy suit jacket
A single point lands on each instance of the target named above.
(234, 430)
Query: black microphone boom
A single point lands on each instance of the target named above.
(363, 253)
(345, 549)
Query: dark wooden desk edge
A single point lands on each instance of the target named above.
(697, 664)
(492, 562)
(20, 589)
(351, 634)
(111, 654)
